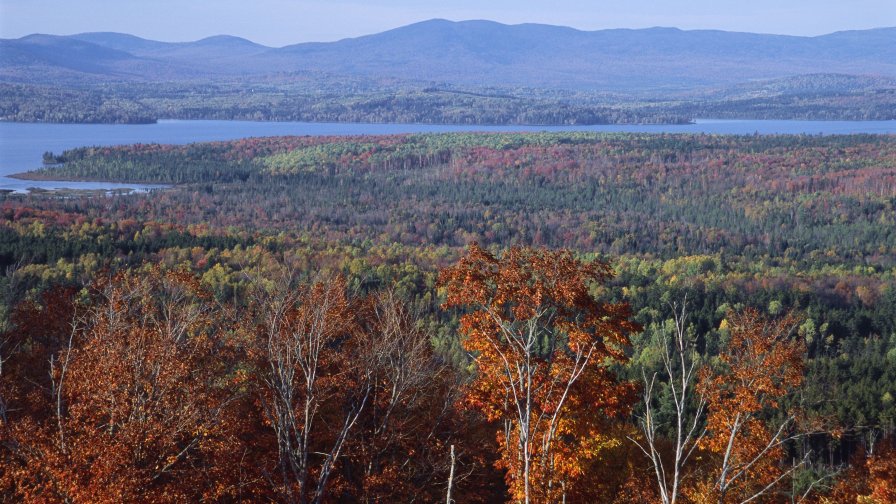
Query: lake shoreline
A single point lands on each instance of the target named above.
(435, 124)
(37, 176)
(22, 145)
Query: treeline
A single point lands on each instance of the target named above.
(822, 97)
(318, 99)
(873, 105)
(266, 102)
(30, 103)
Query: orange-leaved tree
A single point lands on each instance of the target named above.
(761, 365)
(882, 470)
(539, 339)
(870, 478)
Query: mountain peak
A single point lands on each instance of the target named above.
(227, 40)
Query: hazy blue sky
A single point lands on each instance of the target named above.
(282, 22)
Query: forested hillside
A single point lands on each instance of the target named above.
(480, 317)
(321, 98)
(312, 100)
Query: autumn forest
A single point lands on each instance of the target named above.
(531, 318)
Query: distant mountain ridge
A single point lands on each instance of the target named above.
(467, 53)
(219, 46)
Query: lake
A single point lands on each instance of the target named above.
(23, 144)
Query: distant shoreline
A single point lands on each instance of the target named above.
(37, 176)
(435, 124)
(22, 145)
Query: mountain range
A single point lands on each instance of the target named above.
(466, 53)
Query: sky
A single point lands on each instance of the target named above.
(282, 22)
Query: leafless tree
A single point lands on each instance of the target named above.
(299, 327)
(680, 367)
(721, 410)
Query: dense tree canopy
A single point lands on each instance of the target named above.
(311, 311)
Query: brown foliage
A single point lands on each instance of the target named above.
(310, 381)
(356, 405)
(400, 453)
(141, 388)
(133, 409)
